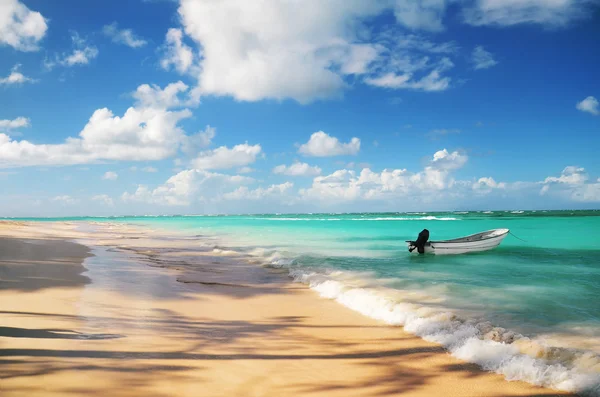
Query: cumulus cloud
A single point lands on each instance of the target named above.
(273, 191)
(570, 175)
(482, 59)
(590, 105)
(444, 160)
(277, 50)
(153, 96)
(149, 169)
(8, 126)
(321, 144)
(486, 184)
(572, 184)
(110, 176)
(65, 200)
(347, 185)
(82, 53)
(281, 50)
(141, 134)
(186, 187)
(297, 169)
(16, 77)
(105, 199)
(177, 54)
(20, 27)
(123, 36)
(200, 140)
(226, 158)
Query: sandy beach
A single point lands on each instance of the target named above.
(110, 310)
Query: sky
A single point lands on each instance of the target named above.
(137, 107)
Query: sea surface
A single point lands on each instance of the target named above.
(529, 309)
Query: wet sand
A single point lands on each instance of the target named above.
(148, 316)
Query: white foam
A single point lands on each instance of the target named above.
(494, 349)
(420, 218)
(391, 218)
(299, 219)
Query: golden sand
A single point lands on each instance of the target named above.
(125, 326)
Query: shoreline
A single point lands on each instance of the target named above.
(213, 323)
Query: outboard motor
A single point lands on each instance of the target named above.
(420, 243)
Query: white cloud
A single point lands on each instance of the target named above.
(346, 185)
(105, 199)
(123, 36)
(198, 141)
(16, 77)
(110, 176)
(572, 184)
(590, 105)
(422, 15)
(245, 170)
(9, 125)
(82, 54)
(153, 96)
(141, 134)
(431, 82)
(278, 50)
(482, 59)
(444, 160)
(570, 175)
(355, 59)
(273, 191)
(65, 200)
(321, 144)
(149, 169)
(420, 43)
(297, 169)
(225, 158)
(488, 183)
(186, 187)
(512, 12)
(20, 27)
(341, 185)
(177, 53)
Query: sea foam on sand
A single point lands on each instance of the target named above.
(493, 348)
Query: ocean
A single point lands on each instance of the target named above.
(529, 309)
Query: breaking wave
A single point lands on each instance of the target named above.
(475, 340)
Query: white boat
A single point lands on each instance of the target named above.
(483, 241)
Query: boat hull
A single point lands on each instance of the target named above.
(454, 247)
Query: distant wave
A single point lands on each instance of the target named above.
(299, 219)
(391, 218)
(421, 218)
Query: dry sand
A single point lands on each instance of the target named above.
(124, 325)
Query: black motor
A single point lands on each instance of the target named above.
(420, 243)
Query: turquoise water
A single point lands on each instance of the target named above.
(535, 297)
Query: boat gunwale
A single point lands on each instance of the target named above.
(456, 240)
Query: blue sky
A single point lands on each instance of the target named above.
(201, 106)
